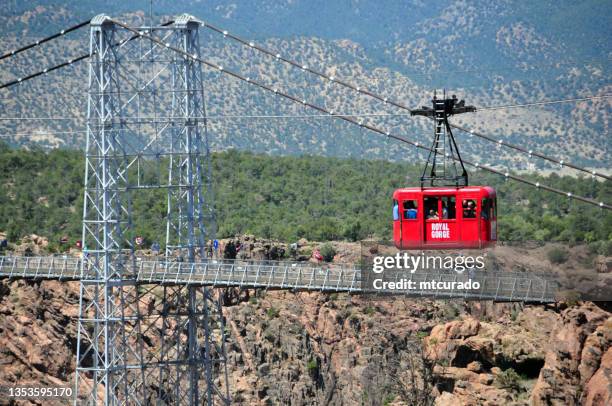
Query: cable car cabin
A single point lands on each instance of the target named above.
(444, 217)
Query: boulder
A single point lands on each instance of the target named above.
(462, 328)
(443, 339)
(474, 366)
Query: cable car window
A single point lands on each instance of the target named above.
(410, 209)
(431, 208)
(469, 208)
(485, 212)
(395, 210)
(448, 207)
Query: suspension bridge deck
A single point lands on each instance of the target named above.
(298, 276)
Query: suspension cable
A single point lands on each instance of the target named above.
(69, 62)
(219, 116)
(46, 39)
(356, 122)
(40, 133)
(397, 104)
(542, 103)
(277, 56)
(43, 72)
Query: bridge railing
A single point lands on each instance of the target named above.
(242, 273)
(48, 267)
(254, 274)
(502, 286)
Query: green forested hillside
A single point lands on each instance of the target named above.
(287, 198)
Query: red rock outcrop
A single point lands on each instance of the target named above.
(576, 351)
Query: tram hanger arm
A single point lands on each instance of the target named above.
(459, 108)
(423, 111)
(462, 109)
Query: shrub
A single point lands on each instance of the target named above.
(450, 312)
(307, 252)
(601, 248)
(593, 247)
(570, 297)
(328, 252)
(442, 362)
(508, 379)
(541, 234)
(605, 248)
(388, 400)
(312, 365)
(272, 312)
(557, 255)
(353, 231)
(422, 334)
(370, 310)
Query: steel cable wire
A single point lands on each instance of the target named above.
(276, 91)
(42, 41)
(67, 63)
(397, 104)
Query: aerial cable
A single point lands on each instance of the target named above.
(39, 133)
(43, 72)
(57, 118)
(281, 116)
(278, 92)
(577, 99)
(217, 116)
(531, 153)
(46, 39)
(397, 104)
(67, 63)
(277, 56)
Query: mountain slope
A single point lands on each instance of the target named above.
(488, 53)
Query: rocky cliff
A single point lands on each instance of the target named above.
(310, 348)
(337, 349)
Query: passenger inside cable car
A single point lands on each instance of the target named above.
(410, 211)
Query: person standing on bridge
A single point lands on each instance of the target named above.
(209, 249)
(230, 250)
(216, 247)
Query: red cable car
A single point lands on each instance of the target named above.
(444, 217)
(448, 214)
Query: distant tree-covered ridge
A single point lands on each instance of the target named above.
(490, 53)
(289, 197)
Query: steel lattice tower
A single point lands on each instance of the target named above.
(146, 344)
